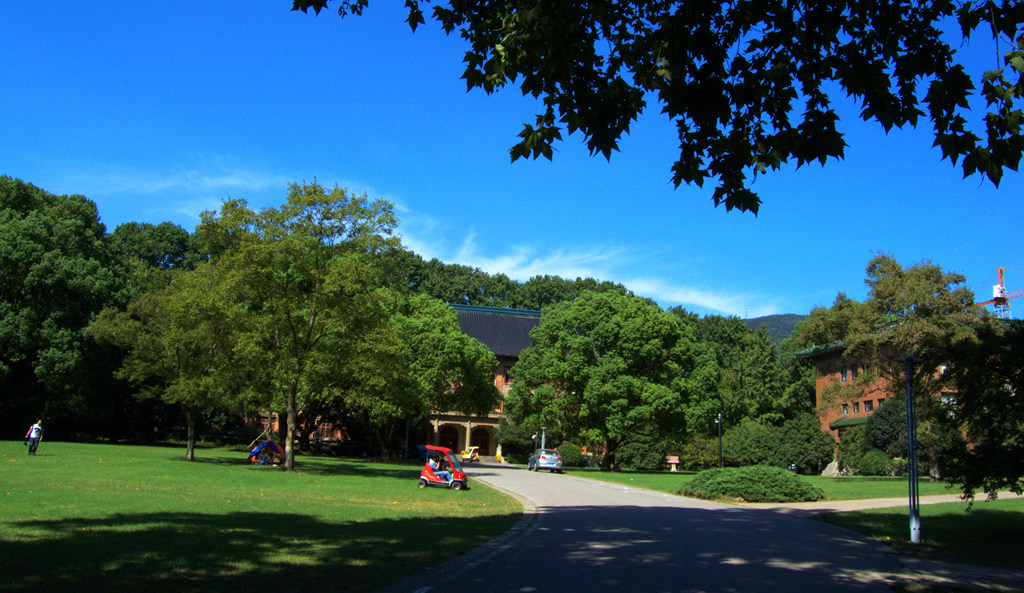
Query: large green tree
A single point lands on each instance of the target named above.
(58, 271)
(989, 410)
(606, 368)
(306, 281)
(164, 246)
(178, 342)
(921, 310)
(432, 366)
(749, 86)
(740, 374)
(928, 313)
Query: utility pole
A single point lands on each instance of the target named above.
(915, 501)
(718, 421)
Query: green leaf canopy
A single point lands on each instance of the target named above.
(606, 368)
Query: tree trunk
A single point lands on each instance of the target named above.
(289, 442)
(608, 457)
(190, 436)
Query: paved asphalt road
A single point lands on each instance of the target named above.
(594, 537)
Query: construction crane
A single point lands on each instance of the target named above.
(1001, 299)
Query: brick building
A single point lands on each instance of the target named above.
(842, 399)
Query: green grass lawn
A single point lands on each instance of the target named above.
(987, 534)
(93, 517)
(838, 488)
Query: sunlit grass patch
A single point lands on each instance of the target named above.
(81, 517)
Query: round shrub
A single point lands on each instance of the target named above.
(700, 453)
(875, 463)
(851, 447)
(756, 483)
(572, 455)
(641, 457)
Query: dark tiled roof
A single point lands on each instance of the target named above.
(847, 421)
(821, 350)
(506, 332)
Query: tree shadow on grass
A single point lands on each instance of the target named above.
(327, 466)
(244, 552)
(985, 537)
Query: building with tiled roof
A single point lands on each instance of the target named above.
(848, 402)
(506, 333)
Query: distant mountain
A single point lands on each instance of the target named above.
(779, 326)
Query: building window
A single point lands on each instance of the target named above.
(844, 371)
(853, 371)
(881, 400)
(868, 406)
(846, 408)
(856, 407)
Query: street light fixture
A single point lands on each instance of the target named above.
(915, 502)
(718, 421)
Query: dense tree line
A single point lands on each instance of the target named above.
(59, 270)
(313, 310)
(617, 374)
(464, 285)
(134, 333)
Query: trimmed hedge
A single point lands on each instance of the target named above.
(875, 463)
(641, 457)
(756, 483)
(572, 455)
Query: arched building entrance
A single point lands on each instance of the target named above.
(481, 438)
(448, 436)
(505, 332)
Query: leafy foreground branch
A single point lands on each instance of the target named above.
(748, 86)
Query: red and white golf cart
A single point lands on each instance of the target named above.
(446, 461)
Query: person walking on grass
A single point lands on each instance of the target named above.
(33, 436)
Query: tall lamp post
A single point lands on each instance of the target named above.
(718, 421)
(542, 429)
(915, 502)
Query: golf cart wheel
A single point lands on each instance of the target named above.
(423, 483)
(458, 485)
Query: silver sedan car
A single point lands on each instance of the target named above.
(545, 459)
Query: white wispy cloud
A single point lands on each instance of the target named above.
(617, 264)
(747, 304)
(522, 262)
(183, 193)
(190, 181)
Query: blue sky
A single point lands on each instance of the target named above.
(159, 110)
